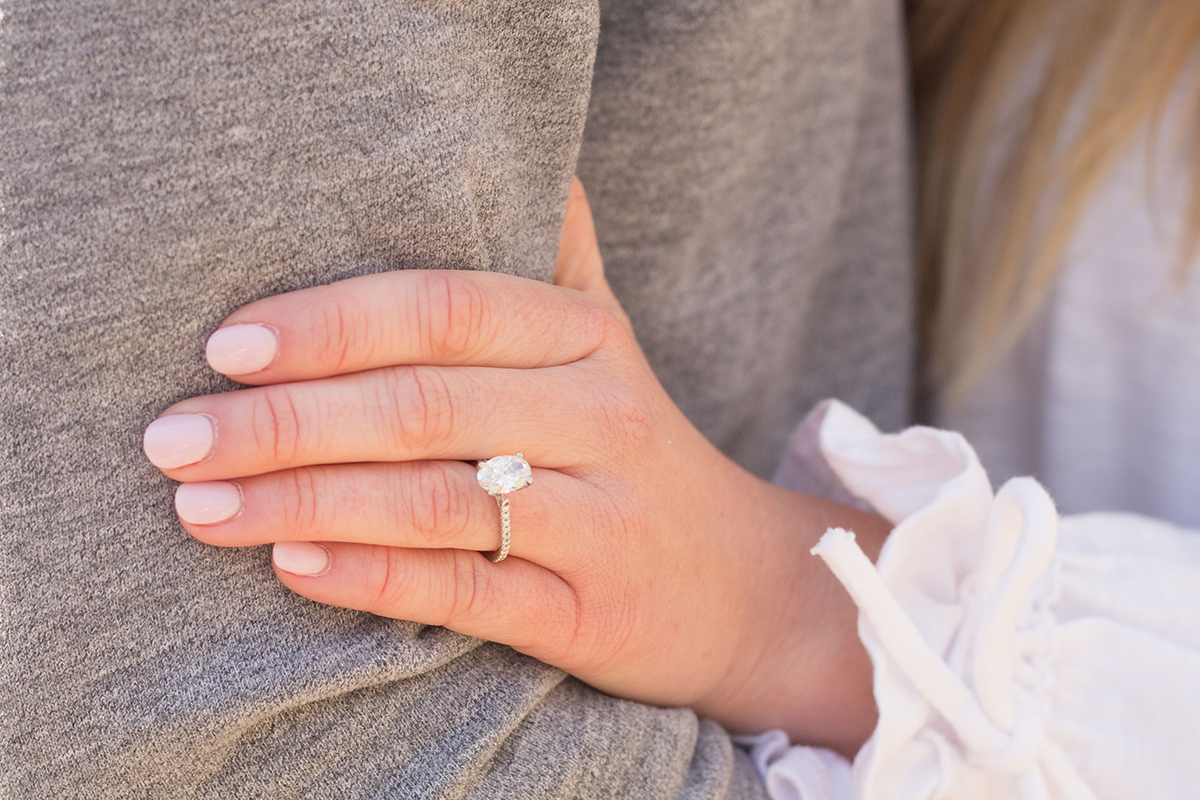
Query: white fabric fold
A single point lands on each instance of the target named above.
(1015, 654)
(798, 773)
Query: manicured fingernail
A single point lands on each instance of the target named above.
(242, 349)
(208, 503)
(179, 440)
(300, 558)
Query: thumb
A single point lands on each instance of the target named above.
(579, 265)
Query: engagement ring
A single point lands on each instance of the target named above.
(499, 477)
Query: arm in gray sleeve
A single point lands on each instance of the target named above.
(163, 163)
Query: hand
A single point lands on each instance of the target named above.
(643, 561)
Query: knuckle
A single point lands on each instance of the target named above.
(276, 423)
(455, 315)
(571, 621)
(437, 503)
(471, 591)
(626, 417)
(595, 328)
(598, 627)
(387, 583)
(305, 510)
(614, 610)
(423, 411)
(342, 332)
(614, 628)
(612, 332)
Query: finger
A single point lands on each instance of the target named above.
(515, 602)
(407, 317)
(394, 414)
(420, 504)
(579, 265)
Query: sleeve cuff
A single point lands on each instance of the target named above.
(1001, 637)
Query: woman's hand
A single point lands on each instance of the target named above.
(643, 561)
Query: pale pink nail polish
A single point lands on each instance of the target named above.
(209, 502)
(300, 558)
(242, 349)
(179, 440)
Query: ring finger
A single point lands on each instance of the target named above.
(416, 504)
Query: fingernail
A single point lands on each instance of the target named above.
(209, 502)
(300, 558)
(179, 439)
(242, 349)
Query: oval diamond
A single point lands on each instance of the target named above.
(504, 474)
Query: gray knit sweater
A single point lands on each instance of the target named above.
(164, 162)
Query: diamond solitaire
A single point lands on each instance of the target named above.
(504, 474)
(499, 476)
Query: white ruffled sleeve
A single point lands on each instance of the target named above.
(1016, 654)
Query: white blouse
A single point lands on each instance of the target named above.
(1100, 399)
(1016, 653)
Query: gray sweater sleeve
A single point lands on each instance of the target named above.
(163, 163)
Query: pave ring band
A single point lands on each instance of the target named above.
(500, 477)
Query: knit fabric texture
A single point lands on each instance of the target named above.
(165, 162)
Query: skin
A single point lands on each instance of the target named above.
(643, 561)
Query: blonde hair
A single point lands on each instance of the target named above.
(1103, 72)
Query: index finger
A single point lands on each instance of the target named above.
(428, 317)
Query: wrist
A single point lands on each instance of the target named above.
(799, 665)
